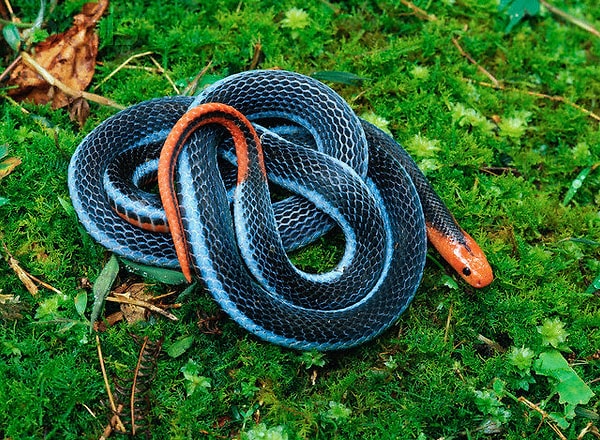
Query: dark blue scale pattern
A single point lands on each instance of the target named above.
(341, 169)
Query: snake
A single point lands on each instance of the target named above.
(256, 165)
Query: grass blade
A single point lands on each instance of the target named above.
(102, 287)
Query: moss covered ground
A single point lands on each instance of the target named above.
(504, 124)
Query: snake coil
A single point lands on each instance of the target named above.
(215, 156)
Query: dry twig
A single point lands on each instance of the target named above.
(554, 98)
(29, 61)
(144, 304)
(421, 13)
(193, 85)
(472, 61)
(492, 344)
(545, 417)
(121, 66)
(28, 280)
(576, 21)
(115, 421)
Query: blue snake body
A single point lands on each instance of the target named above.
(348, 173)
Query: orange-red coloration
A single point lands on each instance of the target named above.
(469, 261)
(145, 226)
(204, 114)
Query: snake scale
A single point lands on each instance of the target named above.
(215, 157)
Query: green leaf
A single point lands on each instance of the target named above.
(553, 333)
(3, 201)
(518, 9)
(575, 185)
(180, 346)
(162, 275)
(48, 308)
(339, 77)
(81, 300)
(591, 289)
(313, 358)
(68, 207)
(102, 287)
(571, 389)
(193, 380)
(11, 36)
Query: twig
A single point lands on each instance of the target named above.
(29, 61)
(576, 21)
(10, 68)
(10, 10)
(118, 423)
(422, 14)
(589, 428)
(472, 60)
(144, 304)
(545, 416)
(164, 72)
(493, 344)
(565, 101)
(113, 422)
(191, 87)
(26, 278)
(134, 385)
(123, 64)
(555, 98)
(256, 58)
(448, 320)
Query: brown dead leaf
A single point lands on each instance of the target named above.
(70, 57)
(134, 313)
(136, 301)
(79, 111)
(8, 165)
(29, 281)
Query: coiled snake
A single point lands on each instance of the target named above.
(214, 178)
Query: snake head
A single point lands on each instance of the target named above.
(466, 257)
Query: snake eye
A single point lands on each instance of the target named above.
(466, 271)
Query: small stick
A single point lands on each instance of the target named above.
(26, 278)
(545, 416)
(422, 14)
(29, 61)
(576, 21)
(144, 304)
(118, 423)
(493, 344)
(10, 68)
(472, 60)
(555, 98)
(589, 428)
(191, 87)
(123, 64)
(164, 72)
(134, 385)
(448, 320)
(565, 101)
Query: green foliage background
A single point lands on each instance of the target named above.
(504, 160)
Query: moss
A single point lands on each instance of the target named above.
(502, 158)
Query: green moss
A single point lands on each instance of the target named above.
(502, 159)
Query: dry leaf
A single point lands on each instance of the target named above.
(136, 301)
(79, 111)
(8, 165)
(28, 280)
(70, 57)
(133, 313)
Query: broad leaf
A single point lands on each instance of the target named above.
(518, 9)
(569, 386)
(102, 287)
(162, 275)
